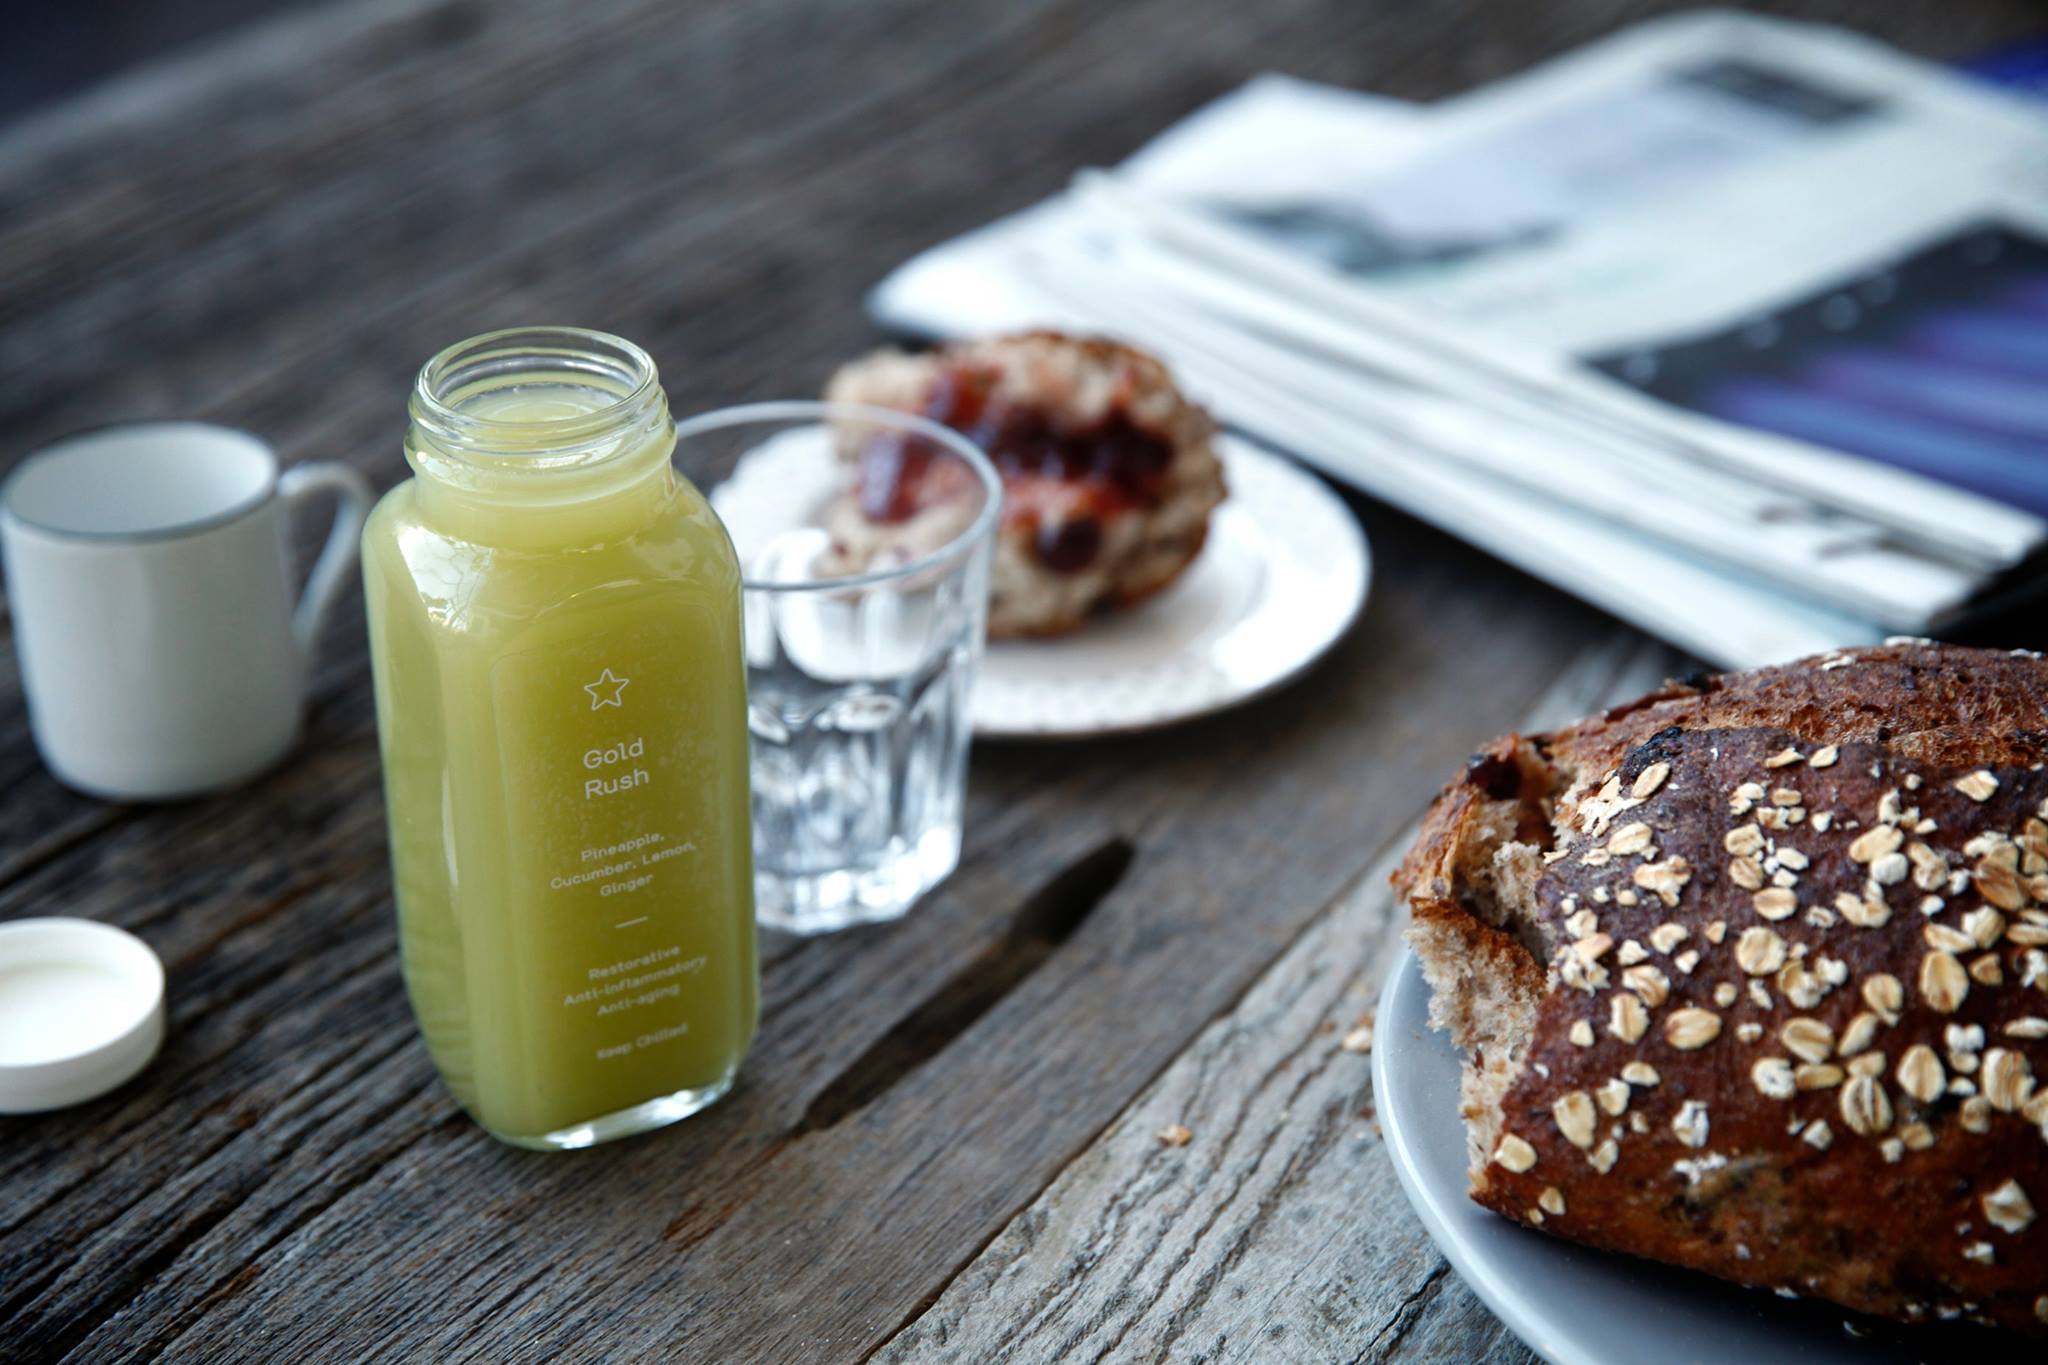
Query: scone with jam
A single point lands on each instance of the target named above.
(1108, 472)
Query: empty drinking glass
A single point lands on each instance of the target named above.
(864, 539)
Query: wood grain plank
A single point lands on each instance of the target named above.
(743, 1242)
(873, 1208)
(1280, 1230)
(364, 179)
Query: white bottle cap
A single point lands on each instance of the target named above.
(81, 1011)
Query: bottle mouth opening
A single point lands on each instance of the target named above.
(536, 397)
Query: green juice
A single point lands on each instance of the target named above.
(555, 631)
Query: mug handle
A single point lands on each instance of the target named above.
(352, 507)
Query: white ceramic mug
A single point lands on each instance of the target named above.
(149, 573)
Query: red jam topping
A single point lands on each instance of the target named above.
(1068, 546)
(1120, 463)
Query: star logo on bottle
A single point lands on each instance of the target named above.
(606, 690)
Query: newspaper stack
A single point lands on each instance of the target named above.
(1735, 327)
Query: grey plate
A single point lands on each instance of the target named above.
(1576, 1306)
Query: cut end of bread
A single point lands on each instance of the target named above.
(1484, 989)
(1471, 883)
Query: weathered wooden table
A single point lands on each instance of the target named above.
(945, 1144)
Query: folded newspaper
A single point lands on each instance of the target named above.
(1735, 327)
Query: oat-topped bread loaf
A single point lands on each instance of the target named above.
(1108, 473)
(1752, 977)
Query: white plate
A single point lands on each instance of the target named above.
(1283, 575)
(1576, 1306)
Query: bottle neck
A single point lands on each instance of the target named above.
(541, 438)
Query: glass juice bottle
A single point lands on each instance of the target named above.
(555, 635)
